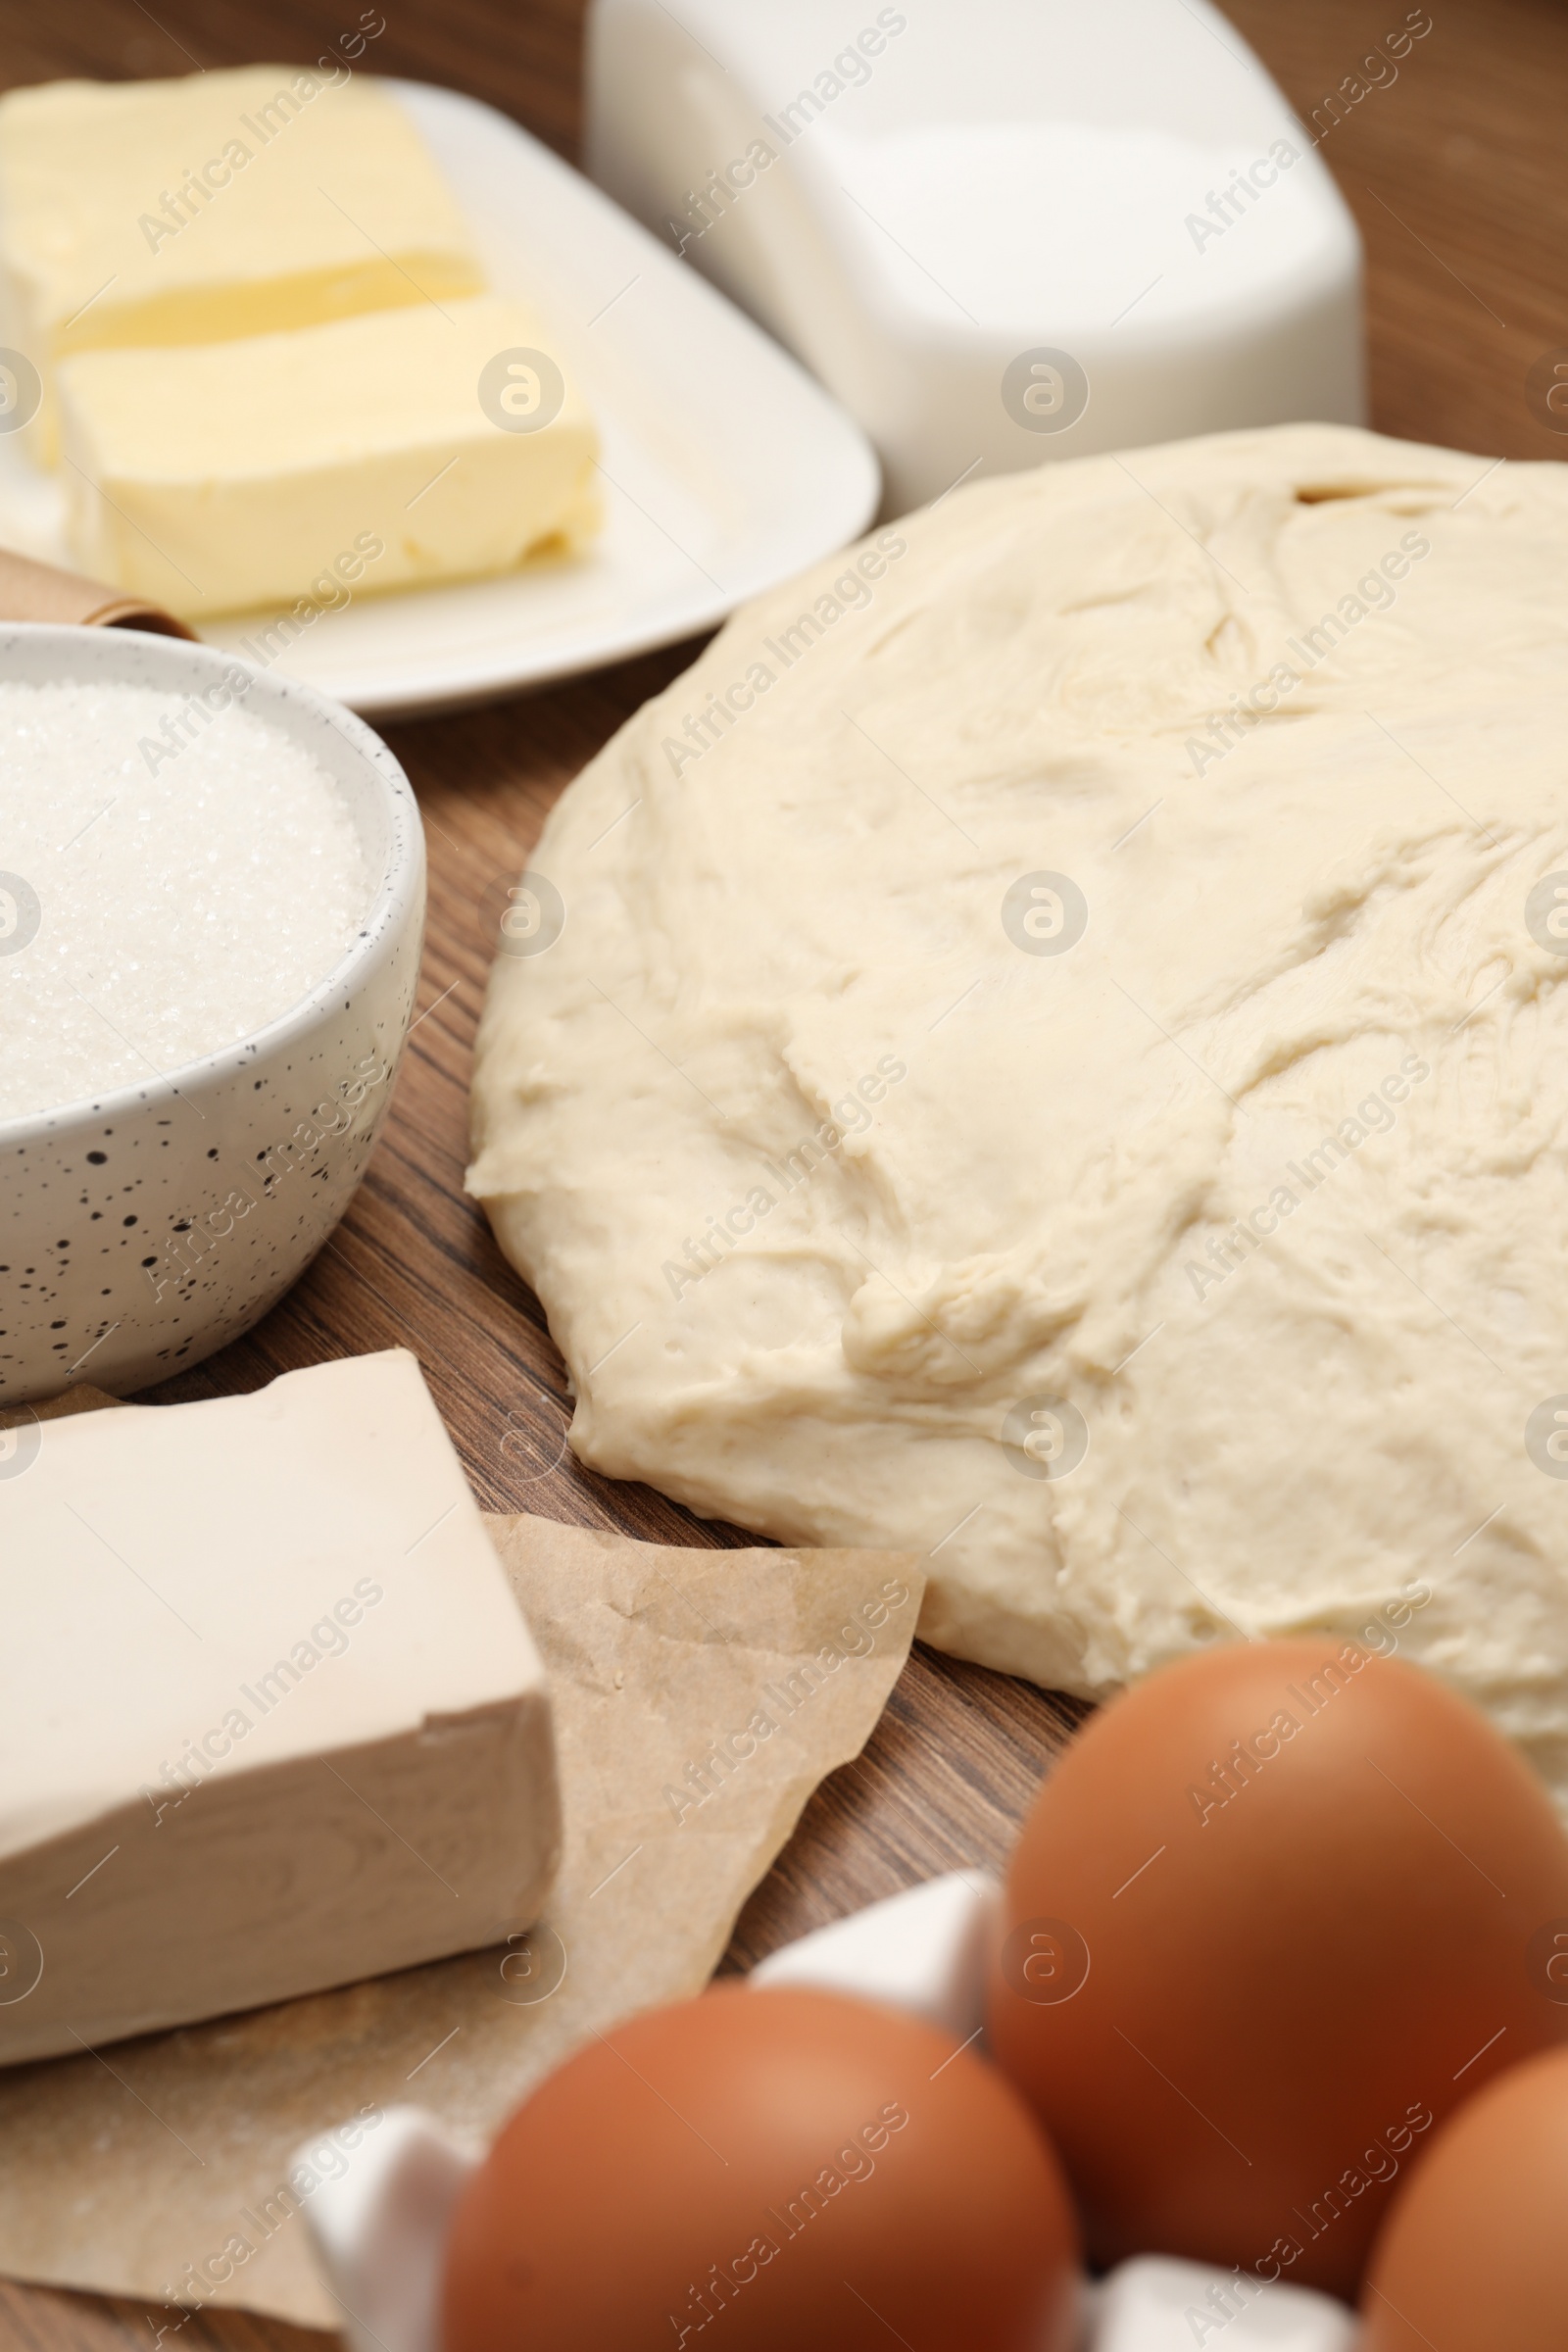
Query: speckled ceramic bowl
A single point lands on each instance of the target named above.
(141, 1231)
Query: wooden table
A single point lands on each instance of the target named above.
(1453, 171)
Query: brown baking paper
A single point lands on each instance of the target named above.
(34, 591)
(147, 2168)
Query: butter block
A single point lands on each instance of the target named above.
(219, 205)
(236, 474)
(275, 1721)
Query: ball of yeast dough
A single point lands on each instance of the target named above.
(1045, 1047)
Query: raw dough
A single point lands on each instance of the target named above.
(1245, 1146)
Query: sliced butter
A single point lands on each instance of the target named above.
(222, 204)
(242, 474)
(277, 1722)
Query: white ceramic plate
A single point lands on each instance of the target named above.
(726, 467)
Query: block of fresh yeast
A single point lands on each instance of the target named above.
(225, 203)
(275, 1721)
(432, 443)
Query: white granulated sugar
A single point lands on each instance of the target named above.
(171, 913)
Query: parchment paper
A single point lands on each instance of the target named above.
(34, 591)
(160, 2167)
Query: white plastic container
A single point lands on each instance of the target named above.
(1001, 233)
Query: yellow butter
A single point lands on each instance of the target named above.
(402, 446)
(219, 205)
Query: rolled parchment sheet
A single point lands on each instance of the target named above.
(34, 591)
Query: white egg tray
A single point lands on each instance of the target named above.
(379, 2231)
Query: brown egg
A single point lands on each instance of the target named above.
(790, 2167)
(1275, 1913)
(1473, 2255)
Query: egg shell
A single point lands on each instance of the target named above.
(792, 2168)
(1240, 1982)
(1474, 2254)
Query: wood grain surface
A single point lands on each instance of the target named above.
(1453, 169)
